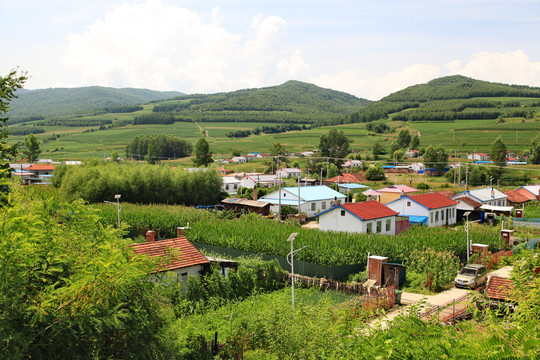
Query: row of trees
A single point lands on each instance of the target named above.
(158, 146)
(138, 183)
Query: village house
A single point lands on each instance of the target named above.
(486, 196)
(263, 180)
(418, 167)
(532, 192)
(313, 199)
(478, 157)
(394, 192)
(346, 178)
(286, 173)
(230, 184)
(516, 199)
(176, 255)
(363, 217)
(412, 153)
(352, 164)
(40, 174)
(432, 209)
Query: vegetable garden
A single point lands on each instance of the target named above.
(254, 234)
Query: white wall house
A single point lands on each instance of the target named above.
(286, 173)
(486, 196)
(364, 217)
(478, 157)
(437, 208)
(313, 199)
(251, 180)
(230, 184)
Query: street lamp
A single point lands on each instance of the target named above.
(467, 229)
(117, 203)
(291, 261)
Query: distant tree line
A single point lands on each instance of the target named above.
(266, 130)
(138, 183)
(158, 146)
(74, 122)
(26, 130)
(122, 108)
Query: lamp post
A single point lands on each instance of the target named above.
(291, 261)
(117, 203)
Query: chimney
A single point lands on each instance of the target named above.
(180, 231)
(254, 194)
(150, 236)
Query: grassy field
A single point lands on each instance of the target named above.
(463, 136)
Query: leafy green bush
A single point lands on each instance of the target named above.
(440, 267)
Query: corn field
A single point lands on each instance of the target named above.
(254, 234)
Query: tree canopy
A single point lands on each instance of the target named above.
(157, 147)
(203, 155)
(335, 145)
(32, 149)
(70, 288)
(436, 157)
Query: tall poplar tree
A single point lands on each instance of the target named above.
(203, 155)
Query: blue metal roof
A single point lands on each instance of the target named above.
(353, 186)
(315, 193)
(416, 219)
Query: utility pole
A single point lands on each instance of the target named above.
(467, 177)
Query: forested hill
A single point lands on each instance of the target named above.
(291, 102)
(460, 87)
(72, 101)
(451, 98)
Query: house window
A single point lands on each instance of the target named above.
(323, 205)
(431, 218)
(284, 194)
(368, 228)
(442, 215)
(235, 187)
(379, 226)
(342, 212)
(313, 206)
(388, 224)
(408, 203)
(436, 216)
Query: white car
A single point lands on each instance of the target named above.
(471, 276)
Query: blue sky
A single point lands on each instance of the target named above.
(366, 48)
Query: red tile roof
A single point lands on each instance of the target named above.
(499, 288)
(515, 196)
(37, 167)
(526, 193)
(447, 193)
(433, 200)
(369, 210)
(183, 253)
(469, 201)
(347, 178)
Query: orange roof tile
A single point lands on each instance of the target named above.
(516, 196)
(347, 178)
(469, 201)
(177, 253)
(499, 288)
(37, 167)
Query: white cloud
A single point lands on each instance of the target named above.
(359, 83)
(512, 67)
(152, 45)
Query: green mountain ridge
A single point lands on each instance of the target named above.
(450, 98)
(291, 102)
(77, 101)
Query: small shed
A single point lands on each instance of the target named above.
(242, 206)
